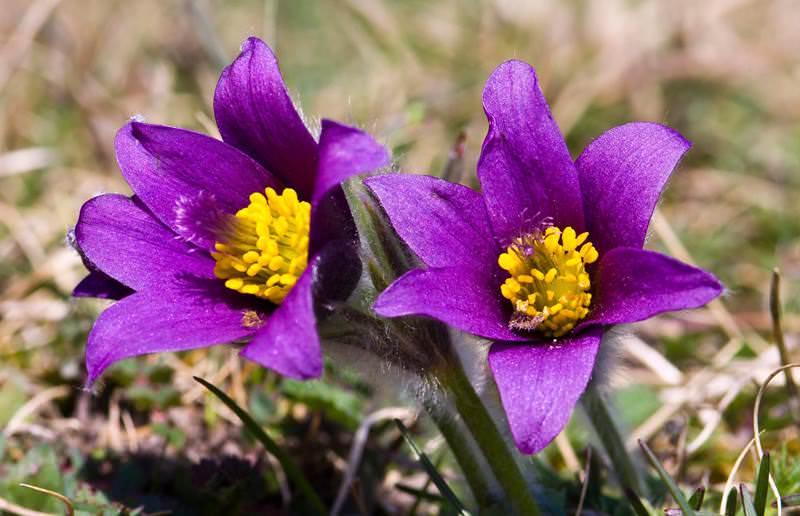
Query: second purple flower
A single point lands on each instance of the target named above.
(548, 255)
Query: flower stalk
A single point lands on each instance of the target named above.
(494, 447)
(599, 412)
(477, 473)
(425, 348)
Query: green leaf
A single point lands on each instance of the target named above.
(785, 469)
(762, 484)
(261, 406)
(730, 507)
(437, 479)
(672, 487)
(747, 502)
(338, 404)
(636, 403)
(89, 502)
(173, 436)
(40, 467)
(636, 503)
(696, 501)
(288, 465)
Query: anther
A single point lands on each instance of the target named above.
(548, 285)
(266, 248)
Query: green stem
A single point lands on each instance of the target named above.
(467, 455)
(599, 413)
(489, 439)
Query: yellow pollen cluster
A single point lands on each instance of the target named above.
(549, 285)
(265, 249)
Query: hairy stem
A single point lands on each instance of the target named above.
(479, 477)
(600, 414)
(494, 446)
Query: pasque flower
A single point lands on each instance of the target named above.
(548, 256)
(224, 240)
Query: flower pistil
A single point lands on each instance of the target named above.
(264, 249)
(548, 284)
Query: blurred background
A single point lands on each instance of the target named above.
(725, 73)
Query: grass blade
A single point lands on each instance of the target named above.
(673, 488)
(288, 465)
(777, 335)
(762, 484)
(437, 479)
(730, 507)
(747, 502)
(420, 494)
(636, 502)
(696, 501)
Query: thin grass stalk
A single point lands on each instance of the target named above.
(777, 334)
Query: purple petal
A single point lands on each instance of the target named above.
(459, 296)
(289, 343)
(165, 164)
(331, 221)
(200, 220)
(525, 169)
(255, 114)
(622, 174)
(126, 242)
(634, 284)
(345, 151)
(540, 382)
(100, 285)
(445, 224)
(337, 272)
(173, 317)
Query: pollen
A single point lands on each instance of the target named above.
(264, 249)
(548, 285)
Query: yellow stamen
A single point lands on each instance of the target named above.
(548, 285)
(265, 250)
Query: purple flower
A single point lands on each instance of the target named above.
(548, 256)
(224, 240)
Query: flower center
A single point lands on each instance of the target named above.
(265, 247)
(548, 284)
